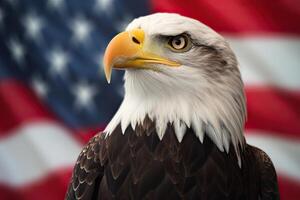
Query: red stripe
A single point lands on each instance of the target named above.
(52, 187)
(84, 135)
(238, 16)
(18, 105)
(289, 189)
(274, 110)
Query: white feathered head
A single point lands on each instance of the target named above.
(178, 71)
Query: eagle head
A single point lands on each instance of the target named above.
(178, 71)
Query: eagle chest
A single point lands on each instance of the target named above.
(138, 165)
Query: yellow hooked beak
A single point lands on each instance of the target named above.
(125, 50)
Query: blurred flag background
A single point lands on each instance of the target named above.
(54, 97)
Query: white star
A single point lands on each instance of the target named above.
(40, 87)
(84, 94)
(81, 29)
(58, 60)
(55, 4)
(104, 5)
(17, 50)
(33, 25)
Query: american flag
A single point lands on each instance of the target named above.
(54, 96)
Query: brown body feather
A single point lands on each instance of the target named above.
(137, 165)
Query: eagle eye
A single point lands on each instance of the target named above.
(179, 43)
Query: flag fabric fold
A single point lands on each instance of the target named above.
(54, 96)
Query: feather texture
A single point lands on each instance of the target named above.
(138, 165)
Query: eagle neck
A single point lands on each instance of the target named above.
(182, 113)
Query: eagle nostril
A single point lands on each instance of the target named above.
(135, 40)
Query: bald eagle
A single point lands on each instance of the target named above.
(178, 133)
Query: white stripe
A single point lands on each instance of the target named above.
(284, 153)
(34, 150)
(268, 60)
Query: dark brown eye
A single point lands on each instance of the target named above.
(178, 42)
